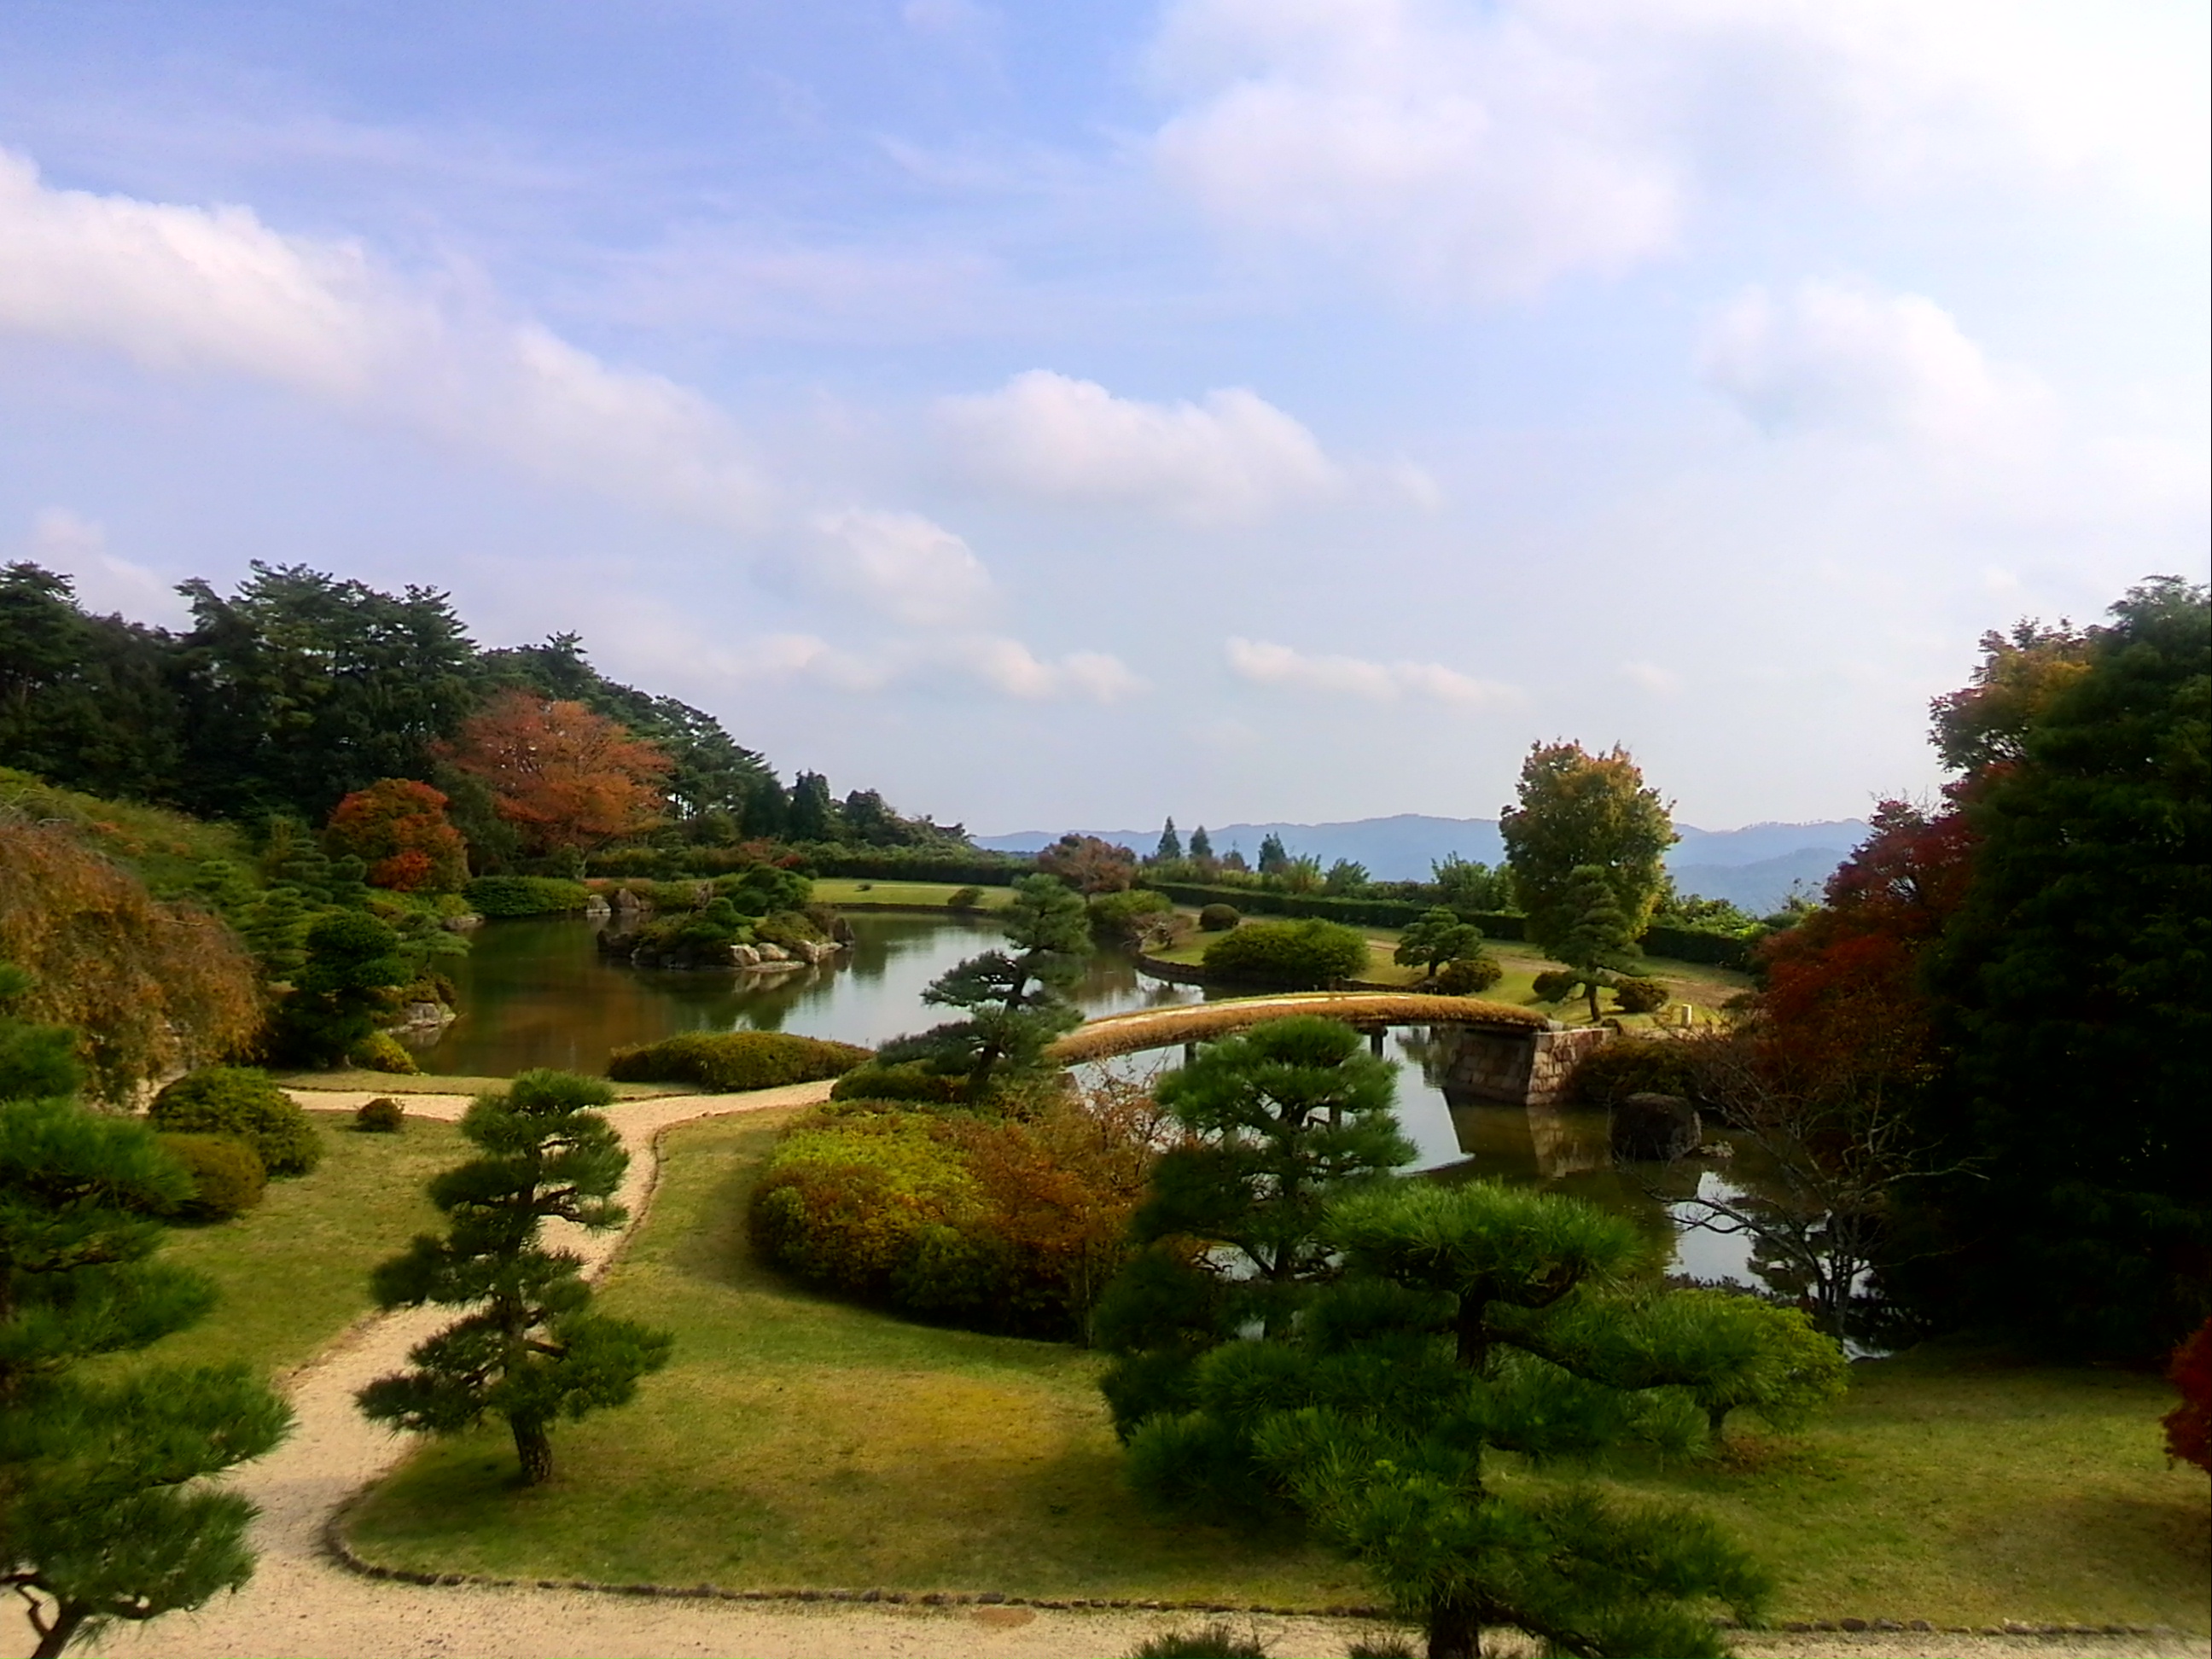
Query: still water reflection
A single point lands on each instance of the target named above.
(537, 993)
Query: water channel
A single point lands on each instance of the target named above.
(537, 993)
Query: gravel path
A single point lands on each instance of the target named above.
(301, 1602)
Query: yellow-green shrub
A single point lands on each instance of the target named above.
(380, 1051)
(226, 1176)
(240, 1101)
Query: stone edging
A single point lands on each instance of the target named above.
(340, 1552)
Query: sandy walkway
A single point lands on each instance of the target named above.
(301, 1602)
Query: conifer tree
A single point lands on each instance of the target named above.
(1201, 844)
(1016, 1002)
(1280, 1120)
(1273, 858)
(103, 1514)
(1474, 1320)
(1593, 936)
(1171, 845)
(530, 1351)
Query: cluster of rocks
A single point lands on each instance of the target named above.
(621, 945)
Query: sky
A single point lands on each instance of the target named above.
(1090, 411)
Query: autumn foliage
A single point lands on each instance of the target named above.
(397, 828)
(568, 779)
(2189, 1425)
(1089, 865)
(151, 988)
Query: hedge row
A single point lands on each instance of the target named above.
(978, 869)
(731, 1062)
(526, 895)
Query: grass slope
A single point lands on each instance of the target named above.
(920, 895)
(293, 1270)
(796, 1442)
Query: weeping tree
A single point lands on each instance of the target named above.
(1276, 1123)
(1472, 1321)
(1016, 999)
(103, 1514)
(530, 1350)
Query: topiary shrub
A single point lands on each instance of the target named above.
(526, 895)
(1466, 977)
(788, 928)
(992, 1224)
(1218, 918)
(381, 1116)
(1641, 996)
(911, 1082)
(380, 1051)
(963, 898)
(732, 1061)
(1556, 985)
(1627, 1066)
(241, 1101)
(1301, 955)
(227, 1178)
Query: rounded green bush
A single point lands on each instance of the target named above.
(380, 1051)
(963, 898)
(1466, 977)
(732, 1061)
(912, 1081)
(1218, 918)
(1640, 996)
(226, 1176)
(381, 1116)
(1556, 985)
(241, 1101)
(1301, 955)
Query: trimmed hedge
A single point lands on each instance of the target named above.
(1640, 995)
(1357, 912)
(228, 1178)
(729, 1062)
(1219, 918)
(380, 1051)
(978, 869)
(1694, 944)
(1308, 955)
(240, 1101)
(1629, 1065)
(382, 1116)
(526, 895)
(911, 1081)
(1466, 977)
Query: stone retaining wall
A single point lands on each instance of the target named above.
(1512, 1069)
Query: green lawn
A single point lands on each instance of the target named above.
(294, 1269)
(796, 1442)
(387, 1083)
(930, 895)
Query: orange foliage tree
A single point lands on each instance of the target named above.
(397, 828)
(151, 988)
(1089, 865)
(2189, 1425)
(568, 779)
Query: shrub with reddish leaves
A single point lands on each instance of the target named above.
(2189, 1425)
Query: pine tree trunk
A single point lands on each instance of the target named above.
(534, 1447)
(1455, 1631)
(55, 1636)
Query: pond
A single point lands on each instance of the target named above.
(537, 993)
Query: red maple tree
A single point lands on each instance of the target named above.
(568, 779)
(397, 828)
(2189, 1425)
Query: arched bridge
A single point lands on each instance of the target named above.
(1493, 1051)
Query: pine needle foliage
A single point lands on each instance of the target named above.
(530, 1350)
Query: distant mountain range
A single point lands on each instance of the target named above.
(1754, 867)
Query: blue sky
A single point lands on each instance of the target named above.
(1080, 413)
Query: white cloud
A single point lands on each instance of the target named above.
(1265, 664)
(1479, 150)
(76, 547)
(995, 662)
(1651, 676)
(1232, 459)
(1843, 356)
(1011, 667)
(901, 564)
(214, 290)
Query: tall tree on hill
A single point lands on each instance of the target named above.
(2076, 971)
(569, 781)
(83, 699)
(1171, 844)
(528, 1350)
(1273, 859)
(1573, 810)
(1201, 844)
(106, 1512)
(299, 689)
(812, 814)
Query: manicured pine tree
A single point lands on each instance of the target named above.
(1435, 936)
(353, 963)
(1280, 1120)
(1472, 1321)
(1171, 845)
(103, 1514)
(530, 1351)
(1016, 1002)
(1596, 940)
